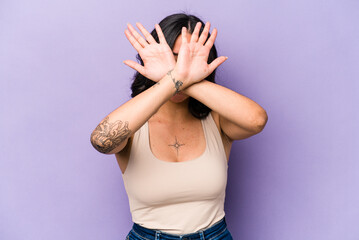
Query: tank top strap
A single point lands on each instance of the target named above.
(213, 136)
(140, 145)
(138, 150)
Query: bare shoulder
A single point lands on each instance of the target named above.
(216, 119)
(227, 142)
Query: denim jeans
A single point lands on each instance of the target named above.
(218, 231)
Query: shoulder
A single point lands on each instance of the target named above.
(123, 156)
(227, 142)
(216, 119)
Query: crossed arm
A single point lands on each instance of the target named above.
(239, 116)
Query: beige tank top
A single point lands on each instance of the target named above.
(177, 197)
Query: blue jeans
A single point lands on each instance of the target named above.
(218, 231)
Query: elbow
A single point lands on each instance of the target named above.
(107, 145)
(100, 143)
(109, 138)
(261, 122)
(103, 144)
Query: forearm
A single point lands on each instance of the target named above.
(231, 105)
(113, 131)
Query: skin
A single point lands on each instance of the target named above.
(181, 96)
(175, 135)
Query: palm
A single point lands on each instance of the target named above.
(192, 59)
(157, 58)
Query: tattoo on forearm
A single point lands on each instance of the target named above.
(176, 145)
(177, 83)
(107, 136)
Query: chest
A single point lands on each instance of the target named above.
(176, 142)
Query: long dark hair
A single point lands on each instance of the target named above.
(171, 27)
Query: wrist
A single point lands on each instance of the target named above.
(187, 89)
(179, 82)
(183, 77)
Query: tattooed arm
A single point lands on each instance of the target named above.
(112, 134)
(108, 136)
(239, 116)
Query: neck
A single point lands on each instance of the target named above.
(173, 112)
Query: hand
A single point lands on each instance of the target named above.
(192, 66)
(157, 58)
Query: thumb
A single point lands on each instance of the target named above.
(216, 62)
(136, 66)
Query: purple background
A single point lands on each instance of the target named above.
(61, 72)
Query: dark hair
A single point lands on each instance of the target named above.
(171, 27)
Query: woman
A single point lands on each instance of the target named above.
(173, 138)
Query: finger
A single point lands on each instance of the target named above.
(133, 41)
(137, 36)
(216, 62)
(145, 33)
(160, 35)
(211, 39)
(194, 37)
(184, 35)
(138, 67)
(202, 39)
